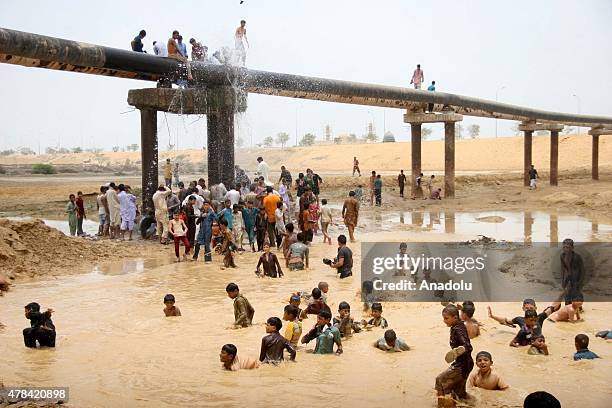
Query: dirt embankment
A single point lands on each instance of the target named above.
(30, 249)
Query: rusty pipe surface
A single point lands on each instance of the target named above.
(33, 50)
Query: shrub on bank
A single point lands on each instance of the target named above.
(41, 168)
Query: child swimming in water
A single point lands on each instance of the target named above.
(41, 327)
(390, 342)
(568, 313)
(377, 320)
(231, 361)
(581, 341)
(485, 378)
(467, 315)
(538, 346)
(170, 309)
(293, 331)
(344, 322)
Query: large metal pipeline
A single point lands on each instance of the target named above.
(33, 50)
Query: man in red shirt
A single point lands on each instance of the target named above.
(80, 213)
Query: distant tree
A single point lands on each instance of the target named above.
(169, 147)
(458, 130)
(282, 138)
(569, 129)
(26, 151)
(268, 141)
(352, 138)
(7, 152)
(50, 150)
(76, 150)
(308, 140)
(41, 168)
(425, 133)
(541, 132)
(239, 141)
(474, 131)
(133, 147)
(115, 149)
(338, 140)
(515, 129)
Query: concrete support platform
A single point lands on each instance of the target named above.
(218, 103)
(189, 101)
(412, 117)
(533, 126)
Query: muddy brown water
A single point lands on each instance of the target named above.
(115, 348)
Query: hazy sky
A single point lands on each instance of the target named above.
(542, 51)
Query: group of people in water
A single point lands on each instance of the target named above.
(261, 212)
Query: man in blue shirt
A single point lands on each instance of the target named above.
(431, 88)
(137, 42)
(181, 46)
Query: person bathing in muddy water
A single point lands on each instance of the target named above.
(298, 254)
(344, 322)
(178, 229)
(377, 320)
(243, 311)
(316, 306)
(390, 342)
(485, 378)
(231, 361)
(581, 341)
(293, 331)
(269, 261)
(325, 334)
(296, 300)
(350, 214)
(453, 379)
(273, 345)
(41, 327)
(467, 315)
(538, 346)
(530, 326)
(171, 309)
(568, 313)
(343, 262)
(228, 247)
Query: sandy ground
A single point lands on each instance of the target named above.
(490, 155)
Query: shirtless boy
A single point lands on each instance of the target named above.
(568, 313)
(484, 377)
(170, 309)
